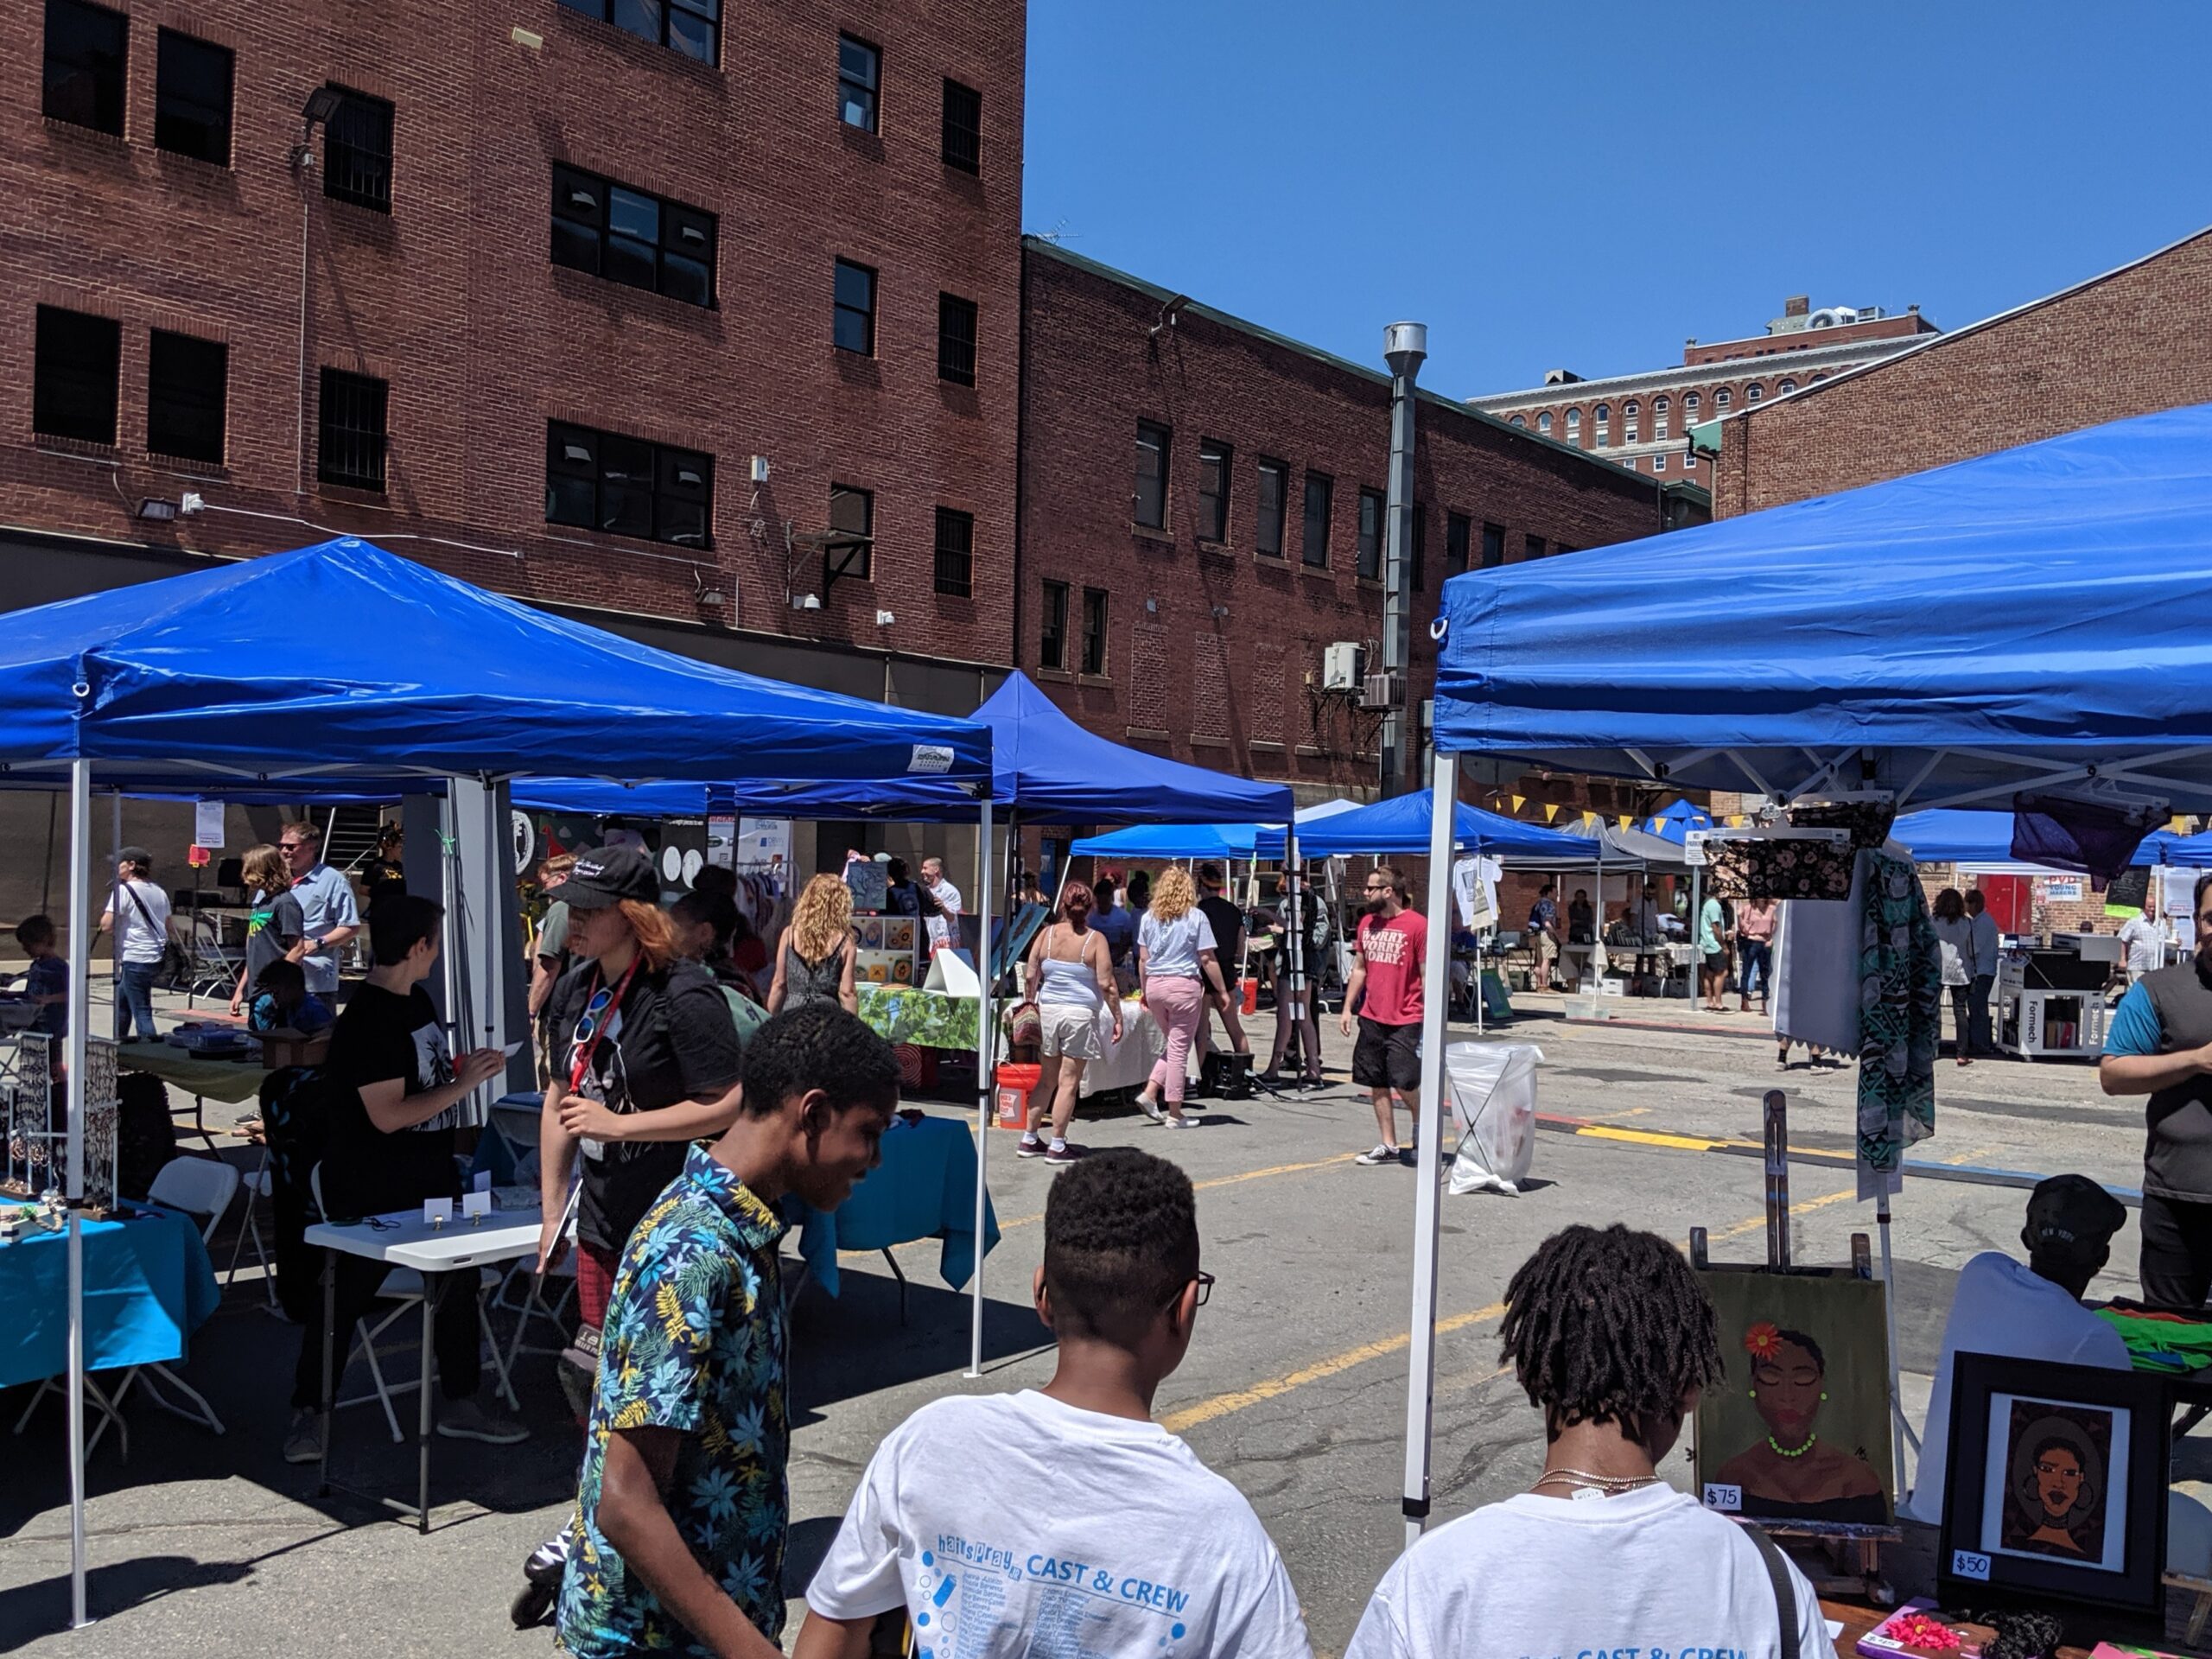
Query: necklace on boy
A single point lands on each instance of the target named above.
(1783, 1451)
(1604, 1486)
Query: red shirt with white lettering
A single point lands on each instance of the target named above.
(1393, 952)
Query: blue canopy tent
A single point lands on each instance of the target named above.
(2034, 619)
(321, 668)
(1402, 824)
(1215, 841)
(1963, 836)
(1673, 821)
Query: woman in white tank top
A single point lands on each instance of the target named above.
(1071, 976)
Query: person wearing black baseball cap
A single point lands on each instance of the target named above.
(645, 1060)
(2032, 1310)
(139, 911)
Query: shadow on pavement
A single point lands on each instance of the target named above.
(30, 1610)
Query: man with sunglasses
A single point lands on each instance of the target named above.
(1046, 1522)
(1386, 988)
(328, 909)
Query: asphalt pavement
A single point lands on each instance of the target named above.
(1294, 1388)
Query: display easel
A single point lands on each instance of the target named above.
(1854, 1549)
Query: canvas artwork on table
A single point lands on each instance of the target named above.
(2060, 1480)
(1797, 1430)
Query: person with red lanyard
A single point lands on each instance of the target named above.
(1393, 944)
(647, 1060)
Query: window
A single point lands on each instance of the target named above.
(75, 363)
(1753, 392)
(191, 98)
(351, 436)
(1600, 418)
(1720, 398)
(1659, 462)
(1094, 631)
(1273, 497)
(1819, 377)
(1371, 508)
(1458, 533)
(357, 151)
(87, 51)
(1320, 507)
(856, 308)
(1690, 406)
(852, 531)
(1151, 503)
(1689, 463)
(1786, 388)
(1215, 461)
(1631, 416)
(188, 382)
(691, 26)
(1574, 426)
(1493, 546)
(859, 69)
(963, 127)
(955, 340)
(626, 486)
(1533, 548)
(1522, 421)
(1661, 409)
(956, 552)
(628, 237)
(1544, 423)
(1052, 627)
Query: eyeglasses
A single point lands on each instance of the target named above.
(290, 846)
(1204, 1282)
(595, 1010)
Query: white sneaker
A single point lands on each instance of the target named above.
(1381, 1154)
(1150, 1108)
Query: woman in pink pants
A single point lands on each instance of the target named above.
(1177, 971)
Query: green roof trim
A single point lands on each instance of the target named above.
(1705, 437)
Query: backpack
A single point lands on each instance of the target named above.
(145, 1133)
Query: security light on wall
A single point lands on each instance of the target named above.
(883, 618)
(321, 105)
(806, 601)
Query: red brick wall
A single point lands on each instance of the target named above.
(1188, 618)
(453, 299)
(1803, 340)
(2133, 342)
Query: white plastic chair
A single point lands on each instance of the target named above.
(403, 1288)
(261, 1183)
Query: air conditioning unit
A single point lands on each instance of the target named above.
(1383, 690)
(1344, 664)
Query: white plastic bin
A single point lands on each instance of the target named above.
(1493, 1089)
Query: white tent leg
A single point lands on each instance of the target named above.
(114, 955)
(984, 1092)
(1436, 988)
(80, 999)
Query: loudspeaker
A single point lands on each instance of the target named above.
(1227, 1077)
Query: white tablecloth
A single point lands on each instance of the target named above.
(1127, 1063)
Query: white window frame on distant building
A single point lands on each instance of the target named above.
(1661, 409)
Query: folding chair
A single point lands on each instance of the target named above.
(532, 1304)
(259, 1184)
(403, 1288)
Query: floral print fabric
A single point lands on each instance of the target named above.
(1900, 1001)
(693, 1341)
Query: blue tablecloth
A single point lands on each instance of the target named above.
(148, 1286)
(923, 1188)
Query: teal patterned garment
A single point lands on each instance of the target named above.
(693, 1341)
(1901, 993)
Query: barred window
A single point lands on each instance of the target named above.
(352, 439)
(357, 151)
(956, 552)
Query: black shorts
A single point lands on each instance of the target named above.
(1386, 1057)
(1716, 962)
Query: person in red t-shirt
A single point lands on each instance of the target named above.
(1392, 949)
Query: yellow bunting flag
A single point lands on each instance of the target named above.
(2178, 825)
(1550, 810)
(1517, 800)
(1626, 821)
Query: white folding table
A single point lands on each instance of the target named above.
(405, 1240)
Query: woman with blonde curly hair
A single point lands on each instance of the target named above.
(1177, 972)
(815, 961)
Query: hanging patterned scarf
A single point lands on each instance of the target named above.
(1900, 990)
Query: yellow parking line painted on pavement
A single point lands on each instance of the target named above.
(1758, 1223)
(1651, 1138)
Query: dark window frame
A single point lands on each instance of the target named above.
(1097, 617)
(1493, 545)
(1458, 542)
(187, 409)
(841, 309)
(353, 430)
(100, 101)
(689, 235)
(182, 113)
(961, 141)
(959, 325)
(1150, 491)
(704, 15)
(671, 503)
(1270, 528)
(76, 375)
(855, 92)
(1532, 547)
(357, 149)
(1313, 551)
(1373, 519)
(1219, 459)
(953, 563)
(1052, 626)
(853, 555)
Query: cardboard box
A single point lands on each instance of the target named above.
(282, 1048)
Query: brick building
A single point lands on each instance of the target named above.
(2127, 342)
(1642, 421)
(699, 320)
(1202, 516)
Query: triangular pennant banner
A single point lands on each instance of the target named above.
(1517, 800)
(1550, 810)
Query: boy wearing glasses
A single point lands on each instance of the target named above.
(1067, 1521)
(1387, 965)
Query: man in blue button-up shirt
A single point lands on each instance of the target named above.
(329, 915)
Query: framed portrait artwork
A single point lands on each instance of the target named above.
(1796, 1433)
(2057, 1488)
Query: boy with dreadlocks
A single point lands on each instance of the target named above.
(1614, 1340)
(1065, 1521)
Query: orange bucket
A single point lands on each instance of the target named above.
(1016, 1084)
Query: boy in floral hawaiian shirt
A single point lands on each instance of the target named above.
(683, 1506)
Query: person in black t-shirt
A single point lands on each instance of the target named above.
(1228, 924)
(392, 1098)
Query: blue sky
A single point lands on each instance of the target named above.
(1585, 185)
